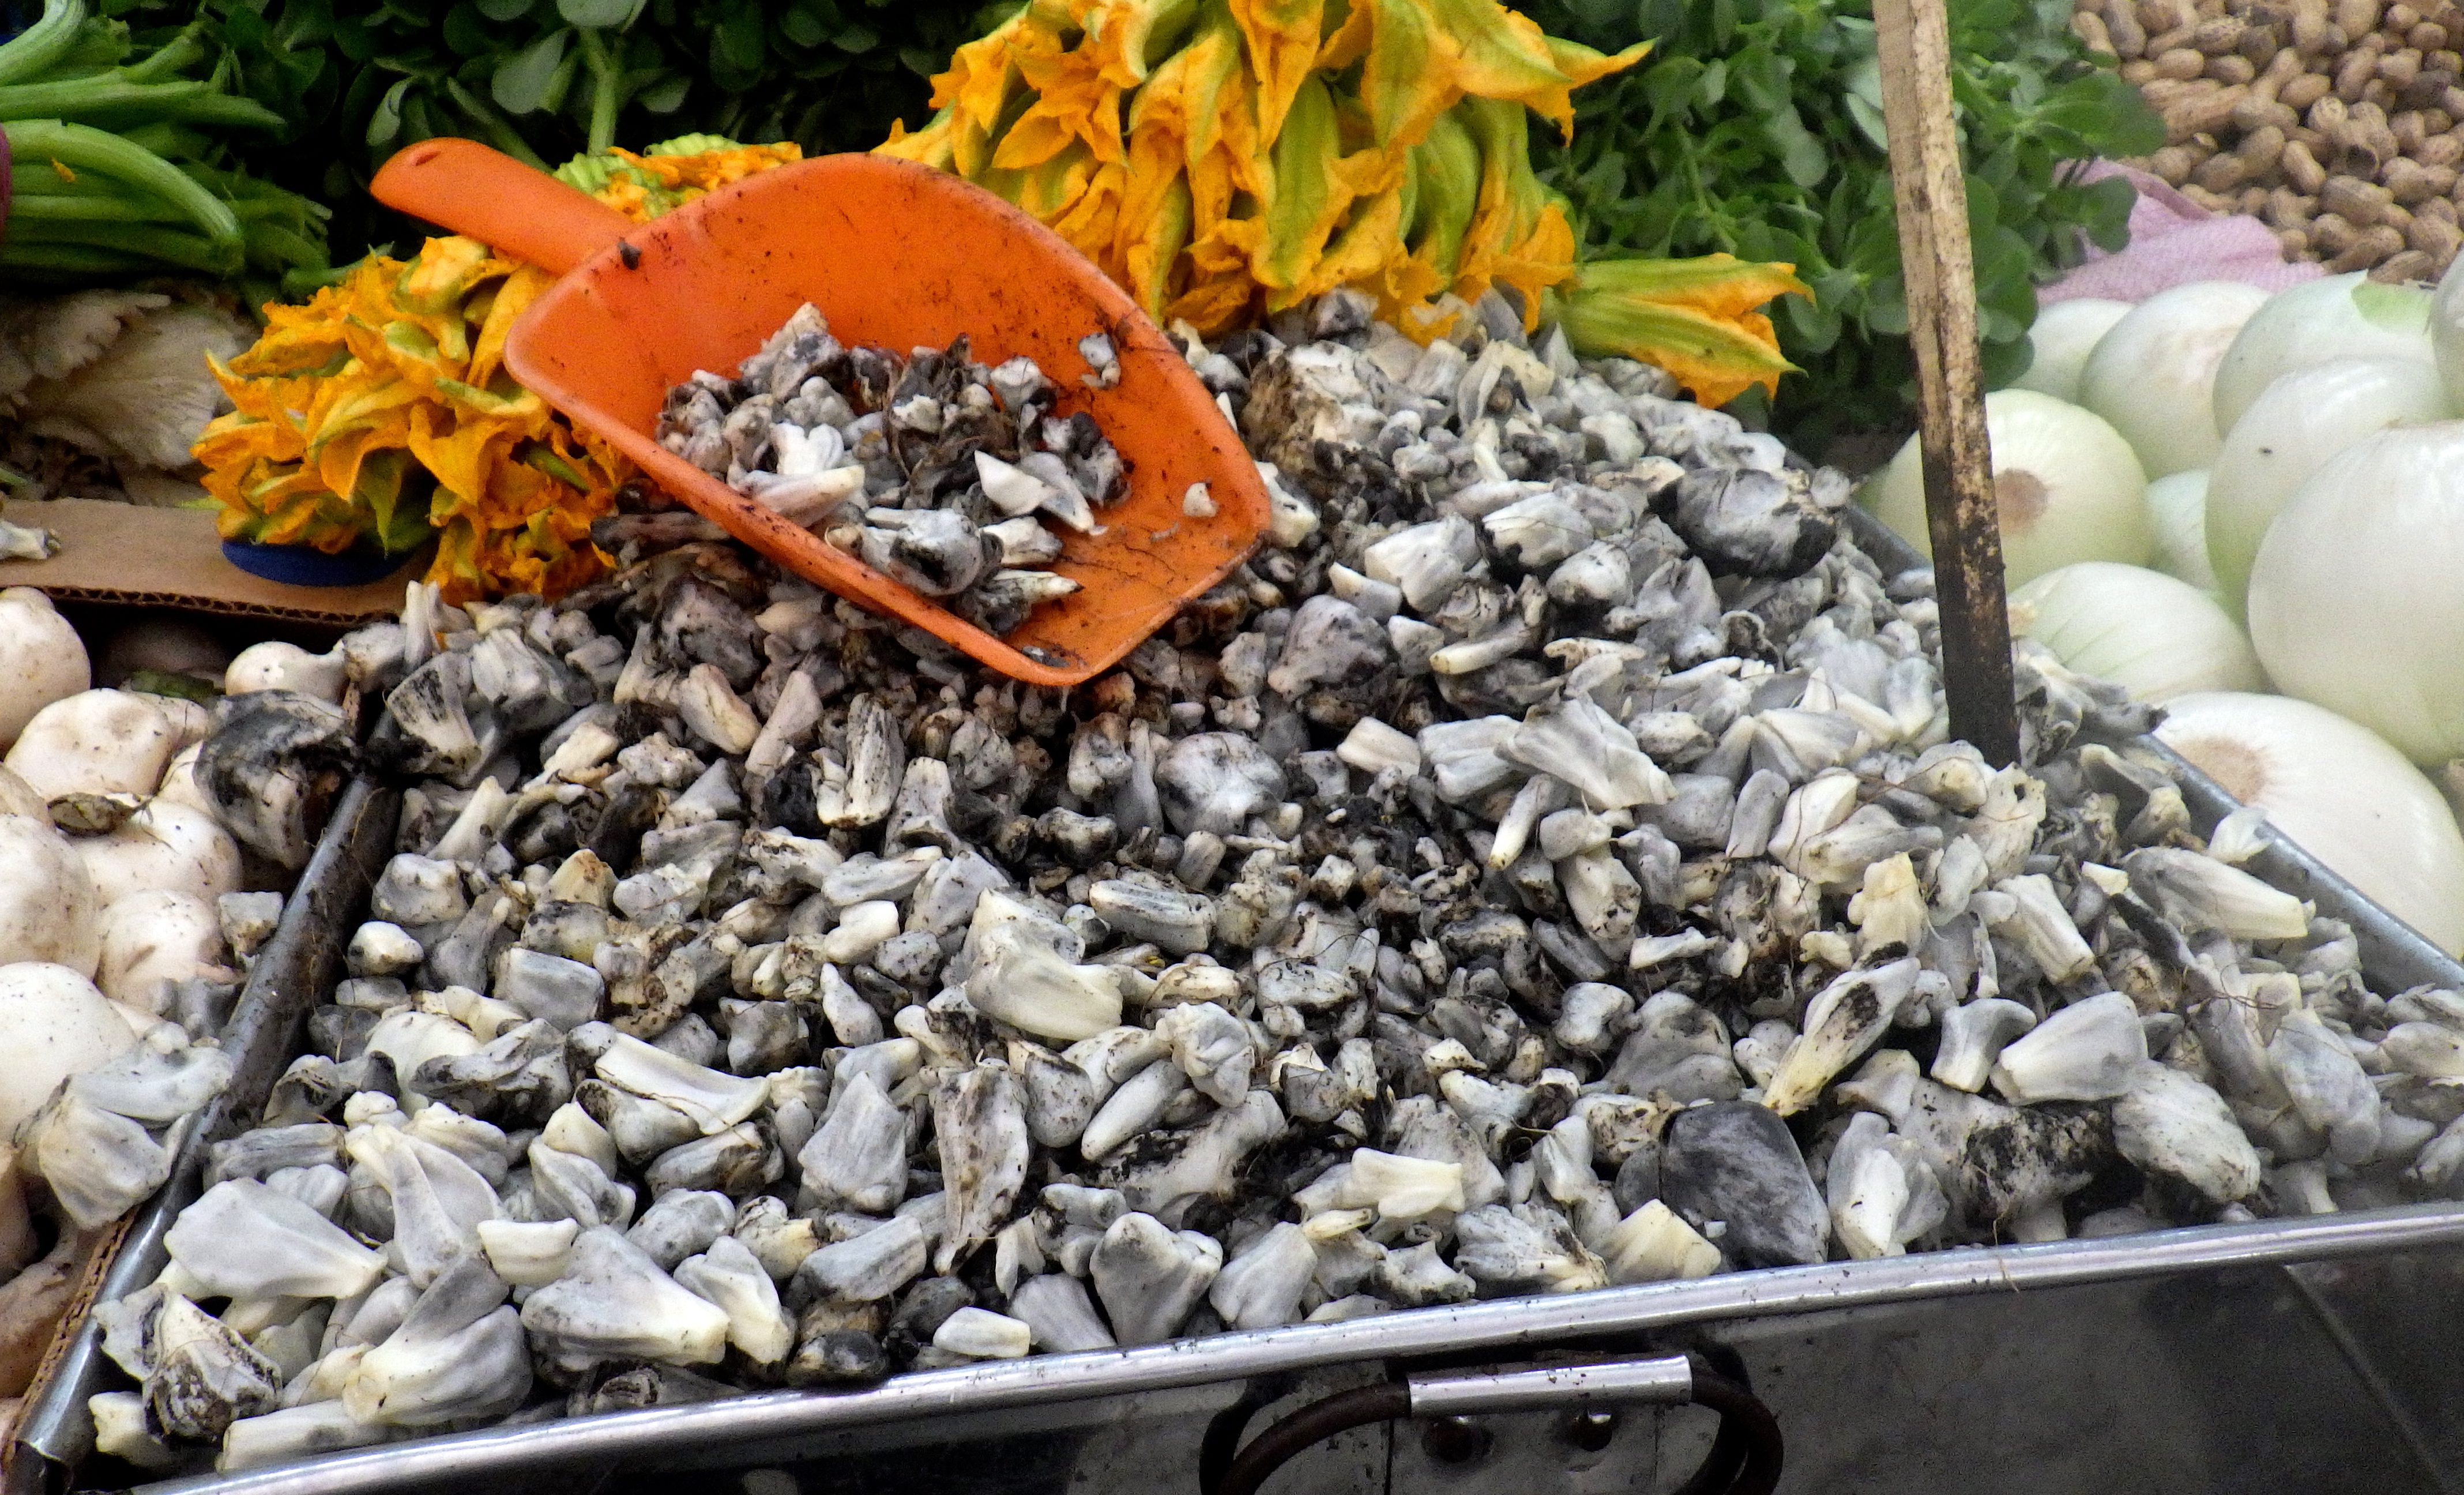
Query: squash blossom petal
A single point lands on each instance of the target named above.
(1610, 310)
(1283, 38)
(1347, 39)
(1315, 186)
(1404, 79)
(1124, 34)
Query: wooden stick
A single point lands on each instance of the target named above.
(1913, 39)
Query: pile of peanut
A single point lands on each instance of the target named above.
(2340, 123)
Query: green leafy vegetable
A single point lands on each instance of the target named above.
(115, 146)
(1755, 127)
(356, 81)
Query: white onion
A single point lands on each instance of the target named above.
(2340, 316)
(2179, 506)
(2355, 602)
(2447, 332)
(2153, 376)
(2154, 635)
(2066, 485)
(2340, 793)
(2065, 333)
(2288, 433)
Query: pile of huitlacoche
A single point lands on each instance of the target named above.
(937, 471)
(1541, 869)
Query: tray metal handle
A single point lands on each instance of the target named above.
(1745, 1458)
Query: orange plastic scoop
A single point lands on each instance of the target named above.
(895, 254)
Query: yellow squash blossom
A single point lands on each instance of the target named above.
(1695, 318)
(1226, 159)
(381, 411)
(1283, 38)
(1122, 33)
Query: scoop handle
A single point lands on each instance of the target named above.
(488, 196)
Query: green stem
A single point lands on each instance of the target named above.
(170, 59)
(77, 98)
(43, 43)
(111, 99)
(27, 208)
(39, 181)
(605, 96)
(81, 149)
(273, 247)
(167, 140)
(168, 246)
(500, 134)
(228, 110)
(69, 261)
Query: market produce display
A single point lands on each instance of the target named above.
(144, 841)
(2299, 540)
(115, 161)
(1226, 162)
(380, 413)
(2335, 121)
(1543, 866)
(1755, 128)
(1541, 870)
(939, 470)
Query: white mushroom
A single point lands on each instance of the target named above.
(95, 742)
(42, 660)
(49, 909)
(54, 1023)
(163, 847)
(277, 666)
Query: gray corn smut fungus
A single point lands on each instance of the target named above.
(1540, 869)
(935, 469)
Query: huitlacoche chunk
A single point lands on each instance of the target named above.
(1540, 866)
(1735, 1163)
(950, 478)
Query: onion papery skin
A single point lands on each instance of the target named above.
(2357, 601)
(2069, 488)
(2295, 428)
(2063, 336)
(2347, 316)
(2154, 635)
(2153, 376)
(2341, 792)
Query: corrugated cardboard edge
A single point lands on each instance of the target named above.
(171, 557)
(100, 1257)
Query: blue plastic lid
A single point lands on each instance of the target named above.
(305, 565)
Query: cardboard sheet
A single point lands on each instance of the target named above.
(171, 557)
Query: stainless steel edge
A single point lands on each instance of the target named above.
(1664, 1378)
(1509, 1326)
(289, 976)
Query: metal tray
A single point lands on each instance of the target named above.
(294, 972)
(1960, 1347)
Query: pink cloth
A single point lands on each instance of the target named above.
(2174, 241)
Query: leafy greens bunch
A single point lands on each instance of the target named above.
(547, 79)
(1755, 127)
(117, 157)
